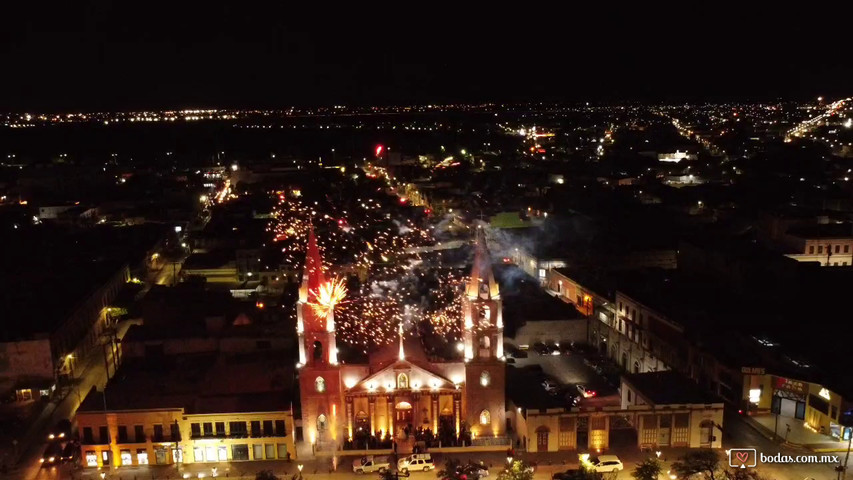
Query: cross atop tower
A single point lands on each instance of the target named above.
(482, 282)
(312, 275)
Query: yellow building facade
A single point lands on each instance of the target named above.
(169, 435)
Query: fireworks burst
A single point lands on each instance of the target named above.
(328, 296)
(363, 236)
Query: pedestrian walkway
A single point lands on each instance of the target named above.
(794, 432)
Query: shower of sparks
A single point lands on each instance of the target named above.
(365, 235)
(328, 296)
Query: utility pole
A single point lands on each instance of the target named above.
(847, 457)
(106, 361)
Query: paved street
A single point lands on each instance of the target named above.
(91, 371)
(738, 435)
(339, 468)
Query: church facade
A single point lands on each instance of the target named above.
(400, 390)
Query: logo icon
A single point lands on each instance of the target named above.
(742, 457)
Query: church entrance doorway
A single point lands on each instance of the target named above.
(403, 414)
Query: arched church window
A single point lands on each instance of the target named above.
(320, 384)
(485, 378)
(636, 366)
(485, 342)
(318, 351)
(321, 423)
(402, 381)
(485, 417)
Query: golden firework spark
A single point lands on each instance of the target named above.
(328, 296)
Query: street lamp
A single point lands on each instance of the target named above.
(103, 474)
(299, 467)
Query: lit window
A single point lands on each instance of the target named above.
(485, 417)
(320, 384)
(321, 423)
(755, 395)
(142, 456)
(402, 381)
(126, 457)
(91, 459)
(485, 379)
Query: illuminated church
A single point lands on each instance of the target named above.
(400, 390)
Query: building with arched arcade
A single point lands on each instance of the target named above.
(400, 389)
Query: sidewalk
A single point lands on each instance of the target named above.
(799, 434)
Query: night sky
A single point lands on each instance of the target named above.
(95, 55)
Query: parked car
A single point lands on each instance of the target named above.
(567, 475)
(553, 348)
(510, 360)
(370, 464)
(606, 463)
(71, 452)
(550, 385)
(570, 396)
(518, 353)
(416, 462)
(567, 348)
(587, 393)
(541, 348)
(60, 432)
(477, 470)
(52, 455)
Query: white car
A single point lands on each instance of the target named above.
(586, 392)
(370, 464)
(606, 463)
(417, 462)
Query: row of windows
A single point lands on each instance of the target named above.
(630, 312)
(140, 456)
(265, 428)
(828, 249)
(258, 428)
(139, 435)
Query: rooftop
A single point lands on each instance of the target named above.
(668, 388)
(52, 270)
(203, 383)
(828, 230)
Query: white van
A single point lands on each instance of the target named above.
(416, 462)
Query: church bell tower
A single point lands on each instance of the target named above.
(482, 336)
(319, 372)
